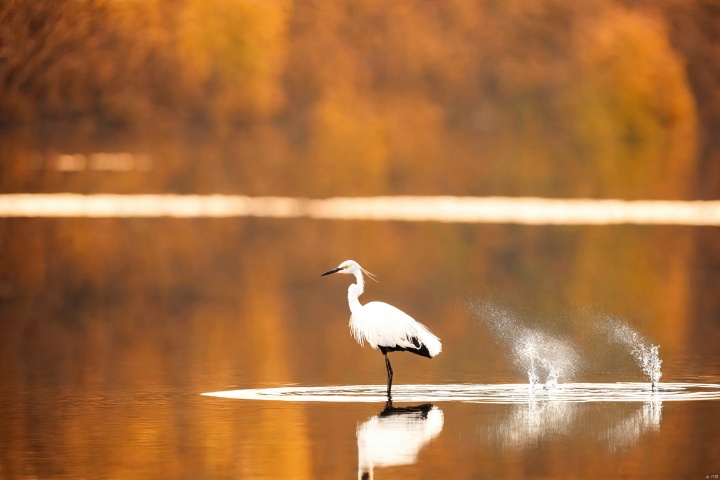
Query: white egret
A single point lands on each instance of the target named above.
(384, 326)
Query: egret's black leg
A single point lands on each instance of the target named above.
(390, 377)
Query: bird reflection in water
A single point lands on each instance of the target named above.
(395, 436)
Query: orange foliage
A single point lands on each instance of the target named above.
(361, 97)
(634, 113)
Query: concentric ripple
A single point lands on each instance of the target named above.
(493, 393)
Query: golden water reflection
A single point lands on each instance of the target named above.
(112, 328)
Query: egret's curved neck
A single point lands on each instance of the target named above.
(355, 290)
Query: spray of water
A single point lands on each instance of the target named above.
(645, 353)
(535, 352)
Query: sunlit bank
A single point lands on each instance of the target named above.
(520, 210)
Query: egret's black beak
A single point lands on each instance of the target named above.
(331, 271)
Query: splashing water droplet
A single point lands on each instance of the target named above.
(645, 353)
(537, 353)
(552, 380)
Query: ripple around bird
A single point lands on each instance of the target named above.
(492, 393)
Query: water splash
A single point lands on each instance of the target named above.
(537, 353)
(645, 353)
(543, 355)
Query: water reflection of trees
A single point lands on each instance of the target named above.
(111, 306)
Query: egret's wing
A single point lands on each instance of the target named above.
(382, 324)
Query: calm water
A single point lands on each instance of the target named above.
(112, 328)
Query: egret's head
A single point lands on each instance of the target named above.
(348, 266)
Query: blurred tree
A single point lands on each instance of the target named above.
(312, 98)
(634, 114)
(348, 151)
(233, 51)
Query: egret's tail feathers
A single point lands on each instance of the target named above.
(434, 347)
(429, 341)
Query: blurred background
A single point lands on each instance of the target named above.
(530, 97)
(598, 99)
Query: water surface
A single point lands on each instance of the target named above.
(113, 328)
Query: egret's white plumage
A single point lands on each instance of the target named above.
(384, 326)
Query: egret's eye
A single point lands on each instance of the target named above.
(345, 266)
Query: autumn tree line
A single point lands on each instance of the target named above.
(601, 98)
